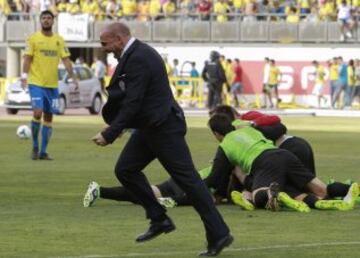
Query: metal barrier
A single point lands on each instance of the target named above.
(254, 31)
(188, 89)
(313, 32)
(195, 31)
(169, 30)
(283, 32)
(225, 31)
(182, 28)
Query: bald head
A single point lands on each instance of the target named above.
(116, 28)
(114, 38)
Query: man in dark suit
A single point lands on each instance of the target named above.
(140, 97)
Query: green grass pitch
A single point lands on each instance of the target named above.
(41, 213)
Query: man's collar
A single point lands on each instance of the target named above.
(128, 44)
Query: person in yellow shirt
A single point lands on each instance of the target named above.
(40, 73)
(90, 7)
(155, 9)
(318, 90)
(327, 11)
(293, 16)
(221, 8)
(73, 7)
(238, 5)
(62, 6)
(169, 8)
(304, 6)
(274, 79)
(334, 76)
(143, 10)
(229, 72)
(129, 8)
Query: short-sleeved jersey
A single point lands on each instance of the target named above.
(334, 72)
(274, 75)
(351, 76)
(220, 9)
(155, 7)
(320, 75)
(129, 7)
(46, 53)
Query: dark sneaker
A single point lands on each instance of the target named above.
(34, 154)
(45, 156)
(273, 203)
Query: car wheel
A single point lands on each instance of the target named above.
(96, 105)
(12, 111)
(62, 105)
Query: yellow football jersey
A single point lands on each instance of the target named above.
(351, 76)
(274, 75)
(334, 72)
(129, 7)
(46, 53)
(320, 75)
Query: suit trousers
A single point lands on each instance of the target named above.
(166, 142)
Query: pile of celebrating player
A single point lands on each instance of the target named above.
(257, 165)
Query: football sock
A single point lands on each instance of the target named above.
(35, 128)
(310, 200)
(337, 189)
(46, 135)
(118, 193)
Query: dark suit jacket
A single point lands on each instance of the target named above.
(139, 92)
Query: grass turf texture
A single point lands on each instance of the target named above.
(41, 213)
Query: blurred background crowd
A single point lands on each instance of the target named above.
(220, 10)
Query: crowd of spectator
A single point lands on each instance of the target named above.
(219, 10)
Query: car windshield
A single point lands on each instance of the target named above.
(61, 73)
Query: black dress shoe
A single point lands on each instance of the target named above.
(155, 229)
(217, 247)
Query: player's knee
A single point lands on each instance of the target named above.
(37, 114)
(121, 174)
(261, 198)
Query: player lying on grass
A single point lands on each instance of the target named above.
(168, 193)
(272, 128)
(247, 148)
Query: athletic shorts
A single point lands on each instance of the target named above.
(302, 150)
(318, 89)
(236, 87)
(281, 166)
(169, 189)
(46, 99)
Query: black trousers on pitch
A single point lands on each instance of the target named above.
(166, 142)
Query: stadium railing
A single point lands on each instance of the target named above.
(179, 28)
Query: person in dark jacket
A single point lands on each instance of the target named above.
(140, 98)
(214, 75)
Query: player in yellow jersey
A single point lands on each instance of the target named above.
(274, 78)
(40, 73)
(318, 90)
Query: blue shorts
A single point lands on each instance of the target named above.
(236, 87)
(46, 99)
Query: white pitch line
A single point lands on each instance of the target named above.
(168, 254)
